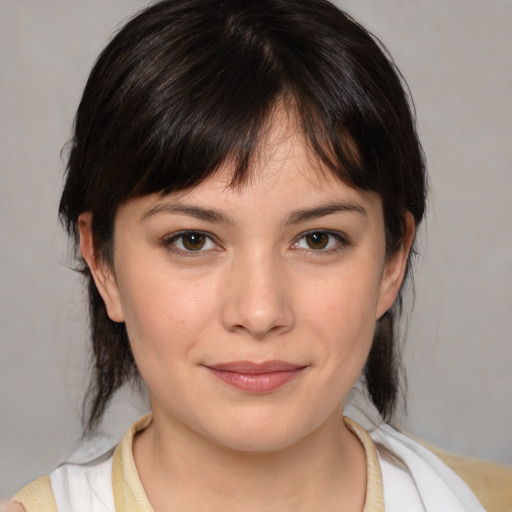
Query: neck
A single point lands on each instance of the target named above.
(182, 470)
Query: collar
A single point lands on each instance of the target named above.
(129, 495)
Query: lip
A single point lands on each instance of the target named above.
(256, 377)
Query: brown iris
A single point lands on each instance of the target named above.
(193, 241)
(317, 240)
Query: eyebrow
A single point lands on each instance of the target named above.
(295, 217)
(192, 211)
(305, 214)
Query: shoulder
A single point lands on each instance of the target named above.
(37, 496)
(81, 484)
(491, 483)
(444, 481)
(70, 487)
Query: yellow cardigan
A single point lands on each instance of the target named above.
(491, 483)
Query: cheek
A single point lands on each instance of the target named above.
(342, 320)
(346, 302)
(165, 313)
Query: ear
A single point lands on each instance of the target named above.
(394, 270)
(101, 271)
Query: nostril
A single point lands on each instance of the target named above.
(258, 325)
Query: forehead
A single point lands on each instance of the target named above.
(282, 155)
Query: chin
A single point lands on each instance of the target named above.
(256, 443)
(257, 434)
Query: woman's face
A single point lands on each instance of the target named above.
(251, 310)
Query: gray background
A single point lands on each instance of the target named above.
(456, 56)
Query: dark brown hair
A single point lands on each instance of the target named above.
(188, 83)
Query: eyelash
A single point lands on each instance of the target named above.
(170, 243)
(341, 242)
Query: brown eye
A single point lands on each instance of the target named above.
(317, 240)
(188, 242)
(193, 241)
(322, 242)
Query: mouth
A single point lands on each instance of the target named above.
(256, 377)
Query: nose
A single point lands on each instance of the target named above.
(257, 301)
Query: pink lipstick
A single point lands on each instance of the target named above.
(256, 377)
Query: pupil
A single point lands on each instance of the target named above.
(194, 241)
(317, 240)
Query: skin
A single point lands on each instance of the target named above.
(259, 289)
(11, 507)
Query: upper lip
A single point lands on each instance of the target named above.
(251, 367)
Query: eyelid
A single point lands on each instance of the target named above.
(168, 242)
(342, 239)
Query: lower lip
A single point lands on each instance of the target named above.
(257, 382)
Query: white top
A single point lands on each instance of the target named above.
(413, 478)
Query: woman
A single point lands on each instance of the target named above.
(244, 186)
